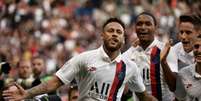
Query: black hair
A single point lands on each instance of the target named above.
(186, 18)
(113, 20)
(149, 14)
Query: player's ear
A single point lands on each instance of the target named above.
(102, 34)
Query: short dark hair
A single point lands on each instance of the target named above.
(149, 14)
(113, 20)
(186, 18)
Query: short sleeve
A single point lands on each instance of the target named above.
(69, 70)
(135, 83)
(172, 60)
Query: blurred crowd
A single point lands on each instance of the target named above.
(56, 30)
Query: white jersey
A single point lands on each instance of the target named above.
(191, 81)
(184, 59)
(150, 68)
(99, 78)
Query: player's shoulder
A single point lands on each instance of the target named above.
(127, 52)
(186, 70)
(177, 46)
(129, 63)
(87, 54)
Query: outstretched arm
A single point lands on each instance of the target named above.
(20, 93)
(45, 87)
(170, 76)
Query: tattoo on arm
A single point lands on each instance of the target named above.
(45, 87)
(40, 89)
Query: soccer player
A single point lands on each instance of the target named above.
(183, 49)
(147, 56)
(191, 75)
(101, 73)
(184, 54)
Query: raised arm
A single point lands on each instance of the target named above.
(45, 87)
(170, 77)
(19, 93)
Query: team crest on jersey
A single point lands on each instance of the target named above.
(189, 85)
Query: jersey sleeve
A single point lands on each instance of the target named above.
(172, 60)
(69, 70)
(135, 83)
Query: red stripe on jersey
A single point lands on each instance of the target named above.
(153, 80)
(155, 73)
(152, 71)
(115, 82)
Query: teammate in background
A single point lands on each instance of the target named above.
(147, 56)
(101, 73)
(191, 75)
(183, 49)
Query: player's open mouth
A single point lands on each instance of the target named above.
(143, 33)
(114, 40)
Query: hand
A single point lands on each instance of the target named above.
(15, 93)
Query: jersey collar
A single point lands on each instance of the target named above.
(156, 42)
(105, 57)
(184, 52)
(153, 44)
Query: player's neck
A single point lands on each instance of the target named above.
(111, 54)
(146, 44)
